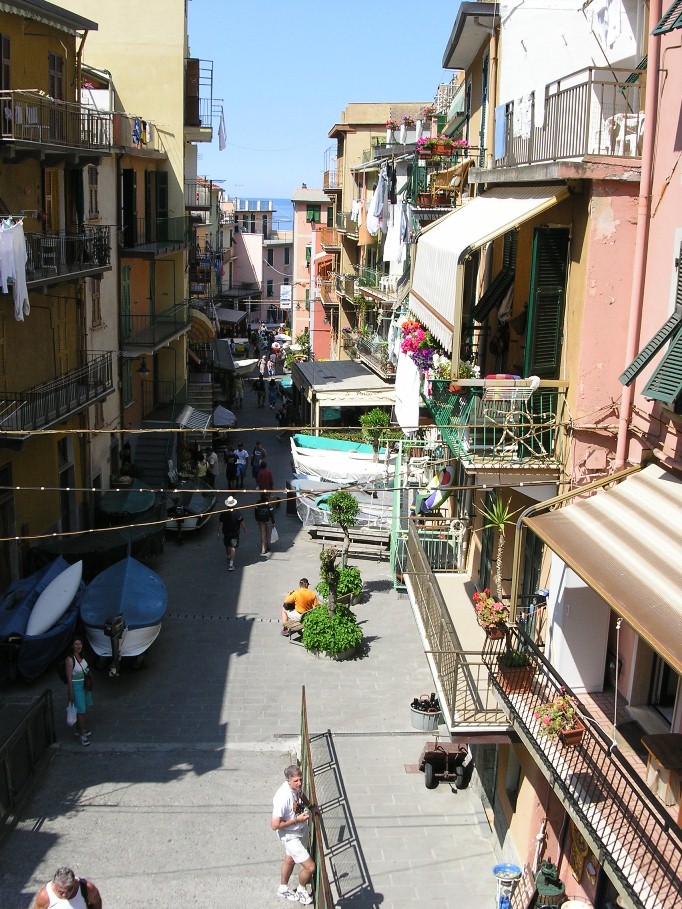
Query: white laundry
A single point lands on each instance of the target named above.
(13, 258)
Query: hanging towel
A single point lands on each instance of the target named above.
(136, 134)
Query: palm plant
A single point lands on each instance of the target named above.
(498, 516)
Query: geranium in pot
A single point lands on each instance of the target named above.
(492, 614)
(559, 718)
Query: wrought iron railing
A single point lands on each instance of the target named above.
(198, 93)
(322, 894)
(149, 330)
(23, 754)
(631, 832)
(331, 179)
(55, 255)
(469, 697)
(509, 427)
(35, 118)
(198, 194)
(345, 285)
(156, 232)
(590, 112)
(374, 351)
(54, 401)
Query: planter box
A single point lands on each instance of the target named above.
(515, 678)
(574, 736)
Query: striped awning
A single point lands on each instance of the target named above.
(626, 544)
(189, 418)
(444, 246)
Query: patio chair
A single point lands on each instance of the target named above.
(505, 406)
(451, 181)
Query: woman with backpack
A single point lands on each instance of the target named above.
(79, 684)
(265, 518)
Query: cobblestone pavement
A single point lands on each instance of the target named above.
(171, 803)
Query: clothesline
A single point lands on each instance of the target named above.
(13, 258)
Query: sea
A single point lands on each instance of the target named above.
(283, 217)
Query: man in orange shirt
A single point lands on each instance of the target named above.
(297, 603)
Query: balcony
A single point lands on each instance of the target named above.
(55, 258)
(493, 424)
(593, 112)
(466, 692)
(136, 133)
(345, 224)
(198, 100)
(147, 333)
(37, 408)
(374, 352)
(148, 238)
(32, 122)
(198, 195)
(331, 180)
(330, 239)
(638, 843)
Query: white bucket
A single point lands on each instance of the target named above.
(428, 722)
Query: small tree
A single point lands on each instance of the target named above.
(498, 517)
(329, 573)
(373, 423)
(343, 510)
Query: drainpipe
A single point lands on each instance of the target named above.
(642, 233)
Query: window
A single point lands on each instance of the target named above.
(93, 201)
(269, 292)
(271, 256)
(95, 296)
(287, 253)
(671, 20)
(330, 216)
(55, 76)
(99, 414)
(4, 63)
(127, 383)
(307, 255)
(313, 214)
(286, 280)
(501, 283)
(264, 223)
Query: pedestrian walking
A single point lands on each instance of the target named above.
(271, 369)
(264, 515)
(230, 467)
(263, 365)
(202, 467)
(242, 457)
(291, 811)
(211, 467)
(258, 455)
(79, 688)
(238, 392)
(260, 391)
(272, 394)
(231, 523)
(65, 889)
(265, 480)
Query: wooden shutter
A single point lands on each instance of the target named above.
(129, 207)
(546, 305)
(126, 321)
(664, 333)
(4, 63)
(51, 193)
(666, 383)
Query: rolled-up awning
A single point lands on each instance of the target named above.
(443, 247)
(626, 544)
(190, 418)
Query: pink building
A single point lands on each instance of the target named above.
(313, 210)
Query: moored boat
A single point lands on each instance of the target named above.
(339, 461)
(189, 505)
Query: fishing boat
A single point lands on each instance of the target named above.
(339, 461)
(136, 593)
(30, 655)
(244, 367)
(312, 502)
(189, 505)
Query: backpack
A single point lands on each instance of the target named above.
(262, 513)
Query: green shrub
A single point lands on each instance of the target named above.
(513, 659)
(350, 582)
(331, 633)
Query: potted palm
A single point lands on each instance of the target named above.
(559, 718)
(514, 671)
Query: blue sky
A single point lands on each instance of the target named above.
(287, 68)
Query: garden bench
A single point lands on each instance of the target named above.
(363, 540)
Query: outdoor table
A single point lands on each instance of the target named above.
(664, 766)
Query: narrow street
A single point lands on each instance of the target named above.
(171, 803)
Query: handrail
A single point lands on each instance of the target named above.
(33, 117)
(637, 838)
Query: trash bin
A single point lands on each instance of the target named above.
(291, 499)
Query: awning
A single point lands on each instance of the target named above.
(193, 419)
(626, 544)
(443, 247)
(201, 328)
(230, 316)
(223, 355)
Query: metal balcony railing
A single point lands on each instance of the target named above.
(156, 233)
(50, 256)
(37, 119)
(344, 223)
(329, 238)
(53, 402)
(634, 836)
(345, 285)
(590, 112)
(198, 194)
(374, 351)
(198, 93)
(469, 697)
(150, 331)
(331, 179)
(487, 425)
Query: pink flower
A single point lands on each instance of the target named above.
(546, 720)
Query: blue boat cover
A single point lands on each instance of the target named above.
(38, 652)
(20, 598)
(301, 440)
(129, 588)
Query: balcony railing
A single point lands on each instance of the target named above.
(55, 256)
(344, 223)
(198, 194)
(329, 238)
(634, 836)
(374, 352)
(37, 119)
(156, 234)
(151, 331)
(53, 402)
(591, 112)
(488, 424)
(469, 699)
(345, 285)
(331, 179)
(198, 93)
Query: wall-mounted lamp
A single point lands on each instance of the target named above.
(142, 369)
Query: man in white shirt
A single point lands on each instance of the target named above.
(242, 456)
(211, 467)
(290, 814)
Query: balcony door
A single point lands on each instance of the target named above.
(663, 694)
(129, 207)
(55, 89)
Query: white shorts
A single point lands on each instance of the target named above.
(295, 848)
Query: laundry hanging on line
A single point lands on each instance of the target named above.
(13, 258)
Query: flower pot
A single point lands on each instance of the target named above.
(574, 736)
(515, 678)
(424, 200)
(495, 632)
(427, 722)
(389, 136)
(417, 130)
(402, 134)
(440, 148)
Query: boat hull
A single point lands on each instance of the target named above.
(133, 643)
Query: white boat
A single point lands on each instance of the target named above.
(244, 367)
(312, 496)
(338, 461)
(54, 600)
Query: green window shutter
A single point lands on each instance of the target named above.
(664, 333)
(313, 214)
(127, 383)
(546, 304)
(307, 255)
(666, 383)
(330, 216)
(672, 19)
(494, 295)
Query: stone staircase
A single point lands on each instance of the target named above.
(151, 454)
(200, 396)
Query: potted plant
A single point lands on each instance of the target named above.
(335, 634)
(559, 718)
(391, 126)
(373, 423)
(348, 587)
(491, 614)
(514, 671)
(343, 510)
